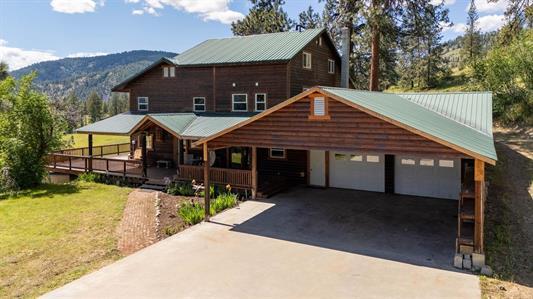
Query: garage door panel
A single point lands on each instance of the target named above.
(360, 171)
(429, 177)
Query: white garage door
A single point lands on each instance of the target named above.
(430, 177)
(357, 171)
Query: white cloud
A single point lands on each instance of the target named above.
(491, 22)
(446, 2)
(86, 54)
(485, 24)
(484, 6)
(208, 10)
(18, 58)
(75, 6)
(137, 12)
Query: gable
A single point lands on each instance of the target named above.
(348, 129)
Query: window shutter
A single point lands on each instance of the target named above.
(319, 106)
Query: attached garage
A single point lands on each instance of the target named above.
(406, 144)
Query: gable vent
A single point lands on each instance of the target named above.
(319, 106)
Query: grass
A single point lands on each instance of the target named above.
(54, 234)
(80, 140)
(457, 81)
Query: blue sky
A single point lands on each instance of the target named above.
(38, 30)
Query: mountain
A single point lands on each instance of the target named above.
(84, 74)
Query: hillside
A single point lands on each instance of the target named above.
(85, 74)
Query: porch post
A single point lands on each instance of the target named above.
(479, 181)
(90, 145)
(254, 172)
(206, 182)
(143, 155)
(326, 166)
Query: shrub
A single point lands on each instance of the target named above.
(211, 192)
(222, 202)
(89, 177)
(180, 188)
(191, 213)
(170, 230)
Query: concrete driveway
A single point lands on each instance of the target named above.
(307, 243)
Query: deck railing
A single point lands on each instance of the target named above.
(75, 163)
(234, 177)
(100, 150)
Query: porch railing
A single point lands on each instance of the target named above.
(98, 164)
(234, 177)
(99, 150)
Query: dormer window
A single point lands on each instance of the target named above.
(142, 103)
(169, 71)
(319, 108)
(306, 62)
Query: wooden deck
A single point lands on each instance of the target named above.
(114, 160)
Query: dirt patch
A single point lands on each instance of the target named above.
(169, 221)
(509, 216)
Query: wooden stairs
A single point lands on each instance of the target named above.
(465, 221)
(271, 186)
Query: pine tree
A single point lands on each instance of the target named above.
(265, 16)
(310, 19)
(118, 103)
(94, 106)
(4, 70)
(471, 44)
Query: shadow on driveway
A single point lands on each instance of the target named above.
(408, 229)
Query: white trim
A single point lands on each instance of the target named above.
(194, 104)
(331, 63)
(277, 149)
(139, 104)
(304, 65)
(233, 102)
(265, 101)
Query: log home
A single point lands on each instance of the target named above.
(251, 112)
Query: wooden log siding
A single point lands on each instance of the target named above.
(348, 130)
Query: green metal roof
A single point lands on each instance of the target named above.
(188, 125)
(204, 126)
(418, 117)
(270, 47)
(176, 122)
(472, 109)
(120, 124)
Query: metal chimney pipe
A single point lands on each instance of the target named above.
(345, 57)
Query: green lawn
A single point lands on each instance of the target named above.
(80, 140)
(54, 234)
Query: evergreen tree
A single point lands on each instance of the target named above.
(94, 106)
(471, 42)
(118, 103)
(70, 108)
(265, 16)
(310, 19)
(519, 15)
(4, 70)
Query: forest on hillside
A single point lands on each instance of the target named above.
(396, 45)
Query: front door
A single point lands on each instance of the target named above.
(317, 168)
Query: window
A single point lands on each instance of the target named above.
(277, 153)
(426, 162)
(372, 159)
(446, 163)
(198, 104)
(331, 66)
(142, 103)
(340, 157)
(169, 71)
(356, 158)
(306, 60)
(260, 101)
(320, 41)
(408, 162)
(149, 142)
(319, 108)
(239, 102)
